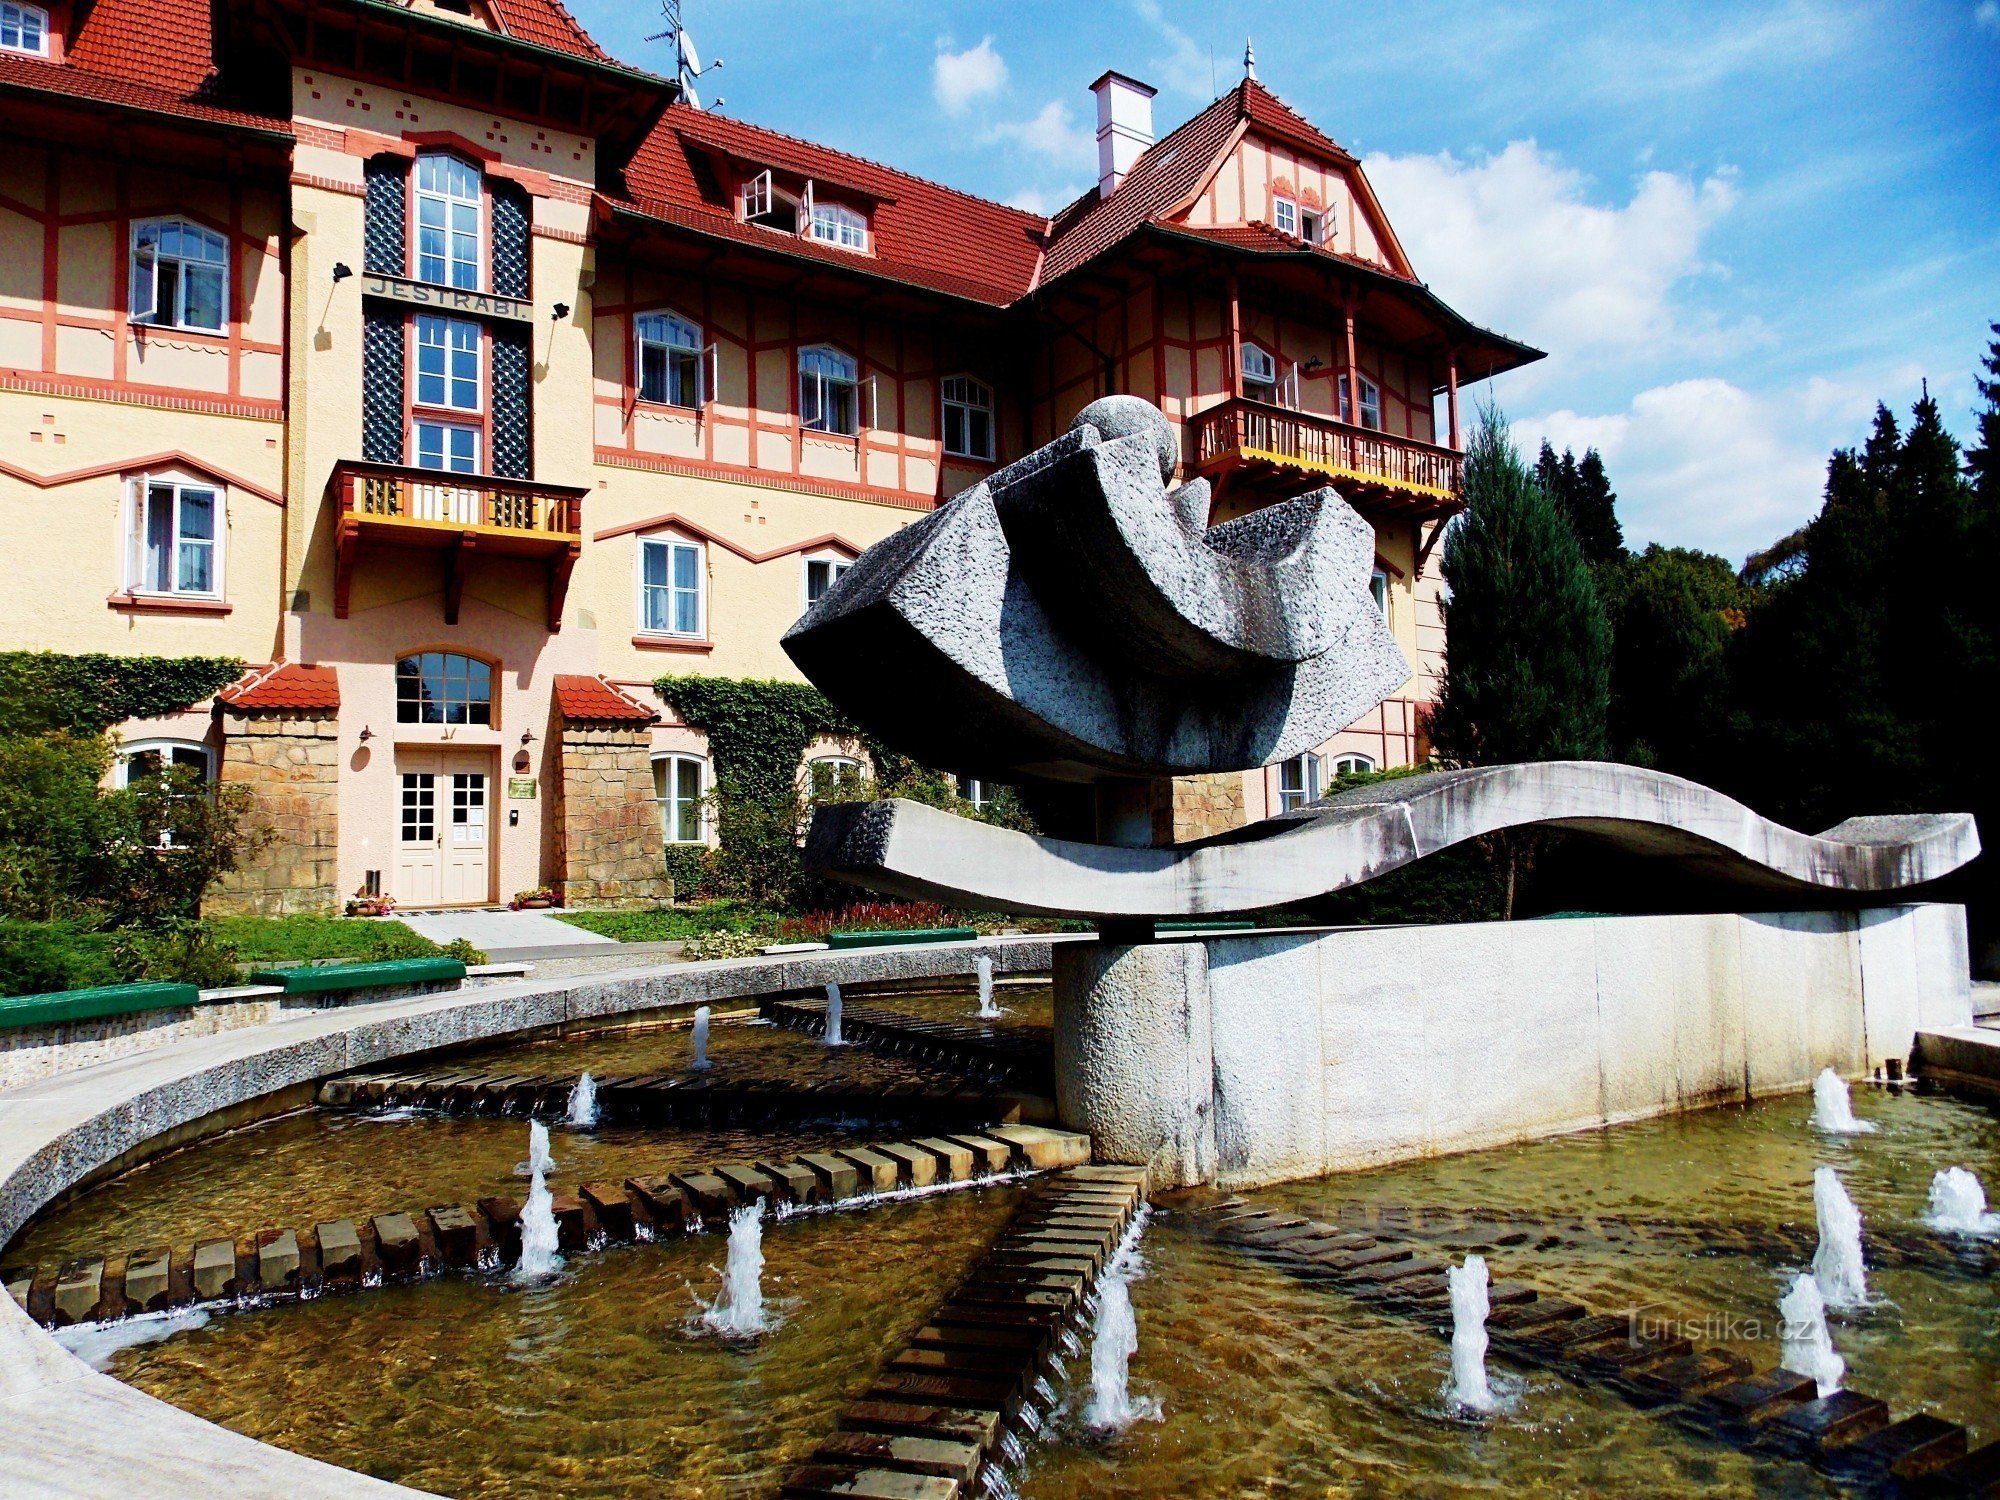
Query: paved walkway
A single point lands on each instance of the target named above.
(507, 935)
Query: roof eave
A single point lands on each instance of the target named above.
(170, 109)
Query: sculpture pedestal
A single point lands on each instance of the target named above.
(1252, 1058)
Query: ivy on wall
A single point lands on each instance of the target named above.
(44, 691)
(757, 728)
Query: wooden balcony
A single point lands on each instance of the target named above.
(461, 517)
(1281, 452)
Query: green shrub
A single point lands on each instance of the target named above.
(688, 869)
(54, 824)
(38, 958)
(178, 952)
(49, 691)
(463, 950)
(724, 945)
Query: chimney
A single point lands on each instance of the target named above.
(1124, 127)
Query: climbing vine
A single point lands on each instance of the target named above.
(45, 691)
(757, 728)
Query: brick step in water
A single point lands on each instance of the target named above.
(986, 1363)
(1713, 1393)
(285, 1264)
(675, 1099)
(1023, 1056)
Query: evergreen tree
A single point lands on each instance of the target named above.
(1527, 653)
(1593, 511)
(1673, 613)
(1982, 460)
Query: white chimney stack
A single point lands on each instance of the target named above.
(1124, 127)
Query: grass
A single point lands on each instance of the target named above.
(264, 940)
(674, 924)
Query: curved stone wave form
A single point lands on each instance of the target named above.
(908, 849)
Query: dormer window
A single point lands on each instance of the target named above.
(449, 199)
(1285, 215)
(766, 204)
(24, 28)
(836, 224)
(1309, 221)
(1260, 374)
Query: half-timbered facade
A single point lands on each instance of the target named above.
(464, 381)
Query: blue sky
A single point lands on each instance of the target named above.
(1734, 227)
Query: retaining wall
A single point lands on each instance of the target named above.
(1269, 1057)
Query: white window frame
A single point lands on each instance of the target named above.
(146, 260)
(673, 804)
(1378, 589)
(138, 504)
(450, 331)
(468, 715)
(21, 20)
(447, 429)
(673, 335)
(1307, 772)
(971, 789)
(1371, 404)
(758, 197)
(1285, 214)
(420, 195)
(673, 544)
(836, 564)
(840, 762)
(967, 394)
(131, 750)
(838, 225)
(822, 381)
(1353, 763)
(1312, 224)
(1260, 368)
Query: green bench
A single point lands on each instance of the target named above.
(1230, 926)
(94, 1004)
(327, 979)
(906, 935)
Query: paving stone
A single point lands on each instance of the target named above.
(214, 1268)
(610, 1207)
(1070, 1245)
(79, 1288)
(661, 1201)
(878, 1172)
(396, 1238)
(1385, 1272)
(1018, 1365)
(815, 1481)
(339, 1250)
(148, 1280)
(1577, 1332)
(1634, 1353)
(277, 1261)
(457, 1234)
(1694, 1375)
(952, 1390)
(572, 1224)
(1761, 1396)
(1833, 1420)
(838, 1178)
(708, 1195)
(794, 1181)
(1044, 1149)
(1919, 1444)
(1073, 1264)
(910, 1455)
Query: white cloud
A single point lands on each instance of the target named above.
(958, 78)
(1186, 66)
(1702, 462)
(1037, 201)
(1052, 133)
(1515, 242)
(1987, 16)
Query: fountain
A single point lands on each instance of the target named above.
(1802, 1330)
(1833, 1113)
(1958, 1205)
(1469, 1389)
(983, 967)
(701, 1063)
(738, 1311)
(833, 1037)
(583, 1104)
(539, 1162)
(539, 1235)
(1837, 1264)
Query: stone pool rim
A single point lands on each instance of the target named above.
(70, 1429)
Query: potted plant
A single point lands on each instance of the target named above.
(538, 898)
(363, 904)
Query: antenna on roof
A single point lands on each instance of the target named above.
(687, 63)
(1249, 59)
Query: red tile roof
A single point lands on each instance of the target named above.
(288, 685)
(1263, 238)
(922, 233)
(592, 700)
(546, 23)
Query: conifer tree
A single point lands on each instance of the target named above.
(1982, 460)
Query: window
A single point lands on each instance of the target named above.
(836, 778)
(442, 687)
(24, 28)
(468, 808)
(143, 758)
(677, 787)
(1260, 374)
(968, 418)
(670, 587)
(827, 391)
(839, 225)
(822, 573)
(975, 791)
(448, 203)
(1371, 404)
(1285, 216)
(174, 538)
(450, 446)
(769, 206)
(1309, 225)
(448, 363)
(180, 275)
(670, 361)
(419, 807)
(1352, 763)
(1298, 782)
(1378, 589)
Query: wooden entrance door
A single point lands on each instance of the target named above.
(444, 834)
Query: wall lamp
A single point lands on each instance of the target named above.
(341, 271)
(527, 736)
(366, 734)
(561, 311)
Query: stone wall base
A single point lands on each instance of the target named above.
(291, 768)
(610, 837)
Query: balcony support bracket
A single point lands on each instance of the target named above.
(560, 567)
(1428, 540)
(455, 560)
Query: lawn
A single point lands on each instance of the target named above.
(675, 924)
(303, 939)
